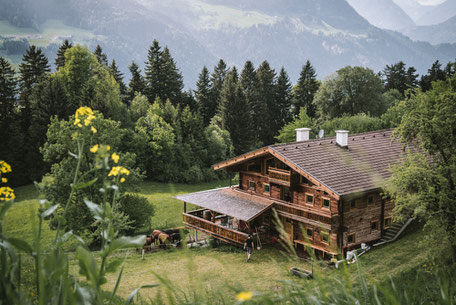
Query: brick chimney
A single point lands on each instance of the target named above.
(302, 134)
(342, 138)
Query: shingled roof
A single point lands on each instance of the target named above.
(363, 166)
(230, 202)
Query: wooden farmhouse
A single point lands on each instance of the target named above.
(325, 192)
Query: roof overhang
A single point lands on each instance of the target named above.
(270, 150)
(229, 202)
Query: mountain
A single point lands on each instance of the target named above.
(413, 8)
(439, 13)
(330, 33)
(384, 14)
(444, 32)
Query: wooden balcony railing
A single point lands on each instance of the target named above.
(208, 227)
(279, 176)
(300, 214)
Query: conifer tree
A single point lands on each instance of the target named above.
(266, 110)
(137, 83)
(205, 103)
(154, 72)
(101, 57)
(305, 90)
(217, 79)
(412, 77)
(173, 81)
(60, 59)
(435, 73)
(118, 76)
(396, 77)
(450, 69)
(8, 90)
(283, 98)
(34, 65)
(257, 107)
(234, 113)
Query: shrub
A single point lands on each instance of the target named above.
(139, 210)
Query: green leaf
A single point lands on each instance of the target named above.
(87, 265)
(118, 278)
(126, 242)
(112, 266)
(94, 209)
(83, 185)
(73, 155)
(5, 208)
(20, 244)
(50, 211)
(134, 292)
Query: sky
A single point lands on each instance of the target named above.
(430, 2)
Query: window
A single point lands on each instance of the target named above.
(387, 222)
(309, 199)
(286, 194)
(326, 203)
(325, 238)
(374, 225)
(251, 185)
(351, 238)
(266, 188)
(309, 233)
(370, 199)
(353, 203)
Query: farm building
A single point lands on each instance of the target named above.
(325, 192)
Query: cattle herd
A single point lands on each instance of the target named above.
(162, 239)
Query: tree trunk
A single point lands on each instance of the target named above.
(453, 248)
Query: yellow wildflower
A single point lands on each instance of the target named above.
(4, 180)
(122, 180)
(108, 148)
(116, 170)
(94, 148)
(244, 296)
(6, 193)
(5, 167)
(115, 157)
(94, 130)
(84, 111)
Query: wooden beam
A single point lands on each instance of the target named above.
(241, 158)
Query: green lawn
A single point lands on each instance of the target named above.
(221, 269)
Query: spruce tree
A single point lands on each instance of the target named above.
(101, 57)
(154, 72)
(266, 112)
(257, 107)
(205, 103)
(217, 79)
(412, 77)
(60, 59)
(8, 90)
(396, 77)
(435, 73)
(305, 90)
(118, 76)
(137, 83)
(172, 83)
(234, 113)
(34, 65)
(284, 98)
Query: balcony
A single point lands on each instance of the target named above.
(194, 220)
(279, 176)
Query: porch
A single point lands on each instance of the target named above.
(226, 214)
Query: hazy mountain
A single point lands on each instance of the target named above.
(286, 33)
(413, 8)
(444, 32)
(384, 14)
(439, 13)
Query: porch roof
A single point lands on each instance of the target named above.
(230, 202)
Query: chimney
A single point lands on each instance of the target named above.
(342, 138)
(302, 134)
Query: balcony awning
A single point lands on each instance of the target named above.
(230, 202)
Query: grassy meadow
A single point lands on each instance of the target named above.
(222, 269)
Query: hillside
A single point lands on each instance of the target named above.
(444, 32)
(286, 33)
(439, 13)
(384, 14)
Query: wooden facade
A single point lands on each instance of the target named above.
(330, 219)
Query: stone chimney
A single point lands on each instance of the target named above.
(302, 134)
(342, 138)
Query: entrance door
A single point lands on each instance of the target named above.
(286, 194)
(288, 227)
